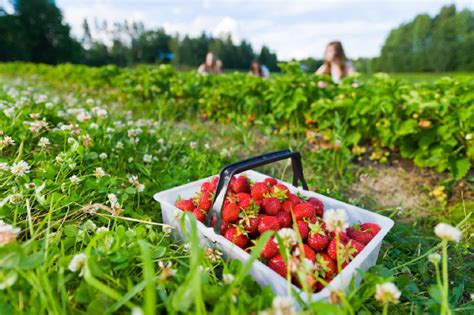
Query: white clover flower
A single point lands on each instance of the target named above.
(74, 179)
(228, 278)
(147, 158)
(167, 270)
(137, 311)
(119, 145)
(187, 247)
(15, 199)
(30, 186)
(130, 160)
(99, 172)
(225, 153)
(387, 293)
(448, 232)
(207, 146)
(213, 254)
(4, 166)
(134, 181)
(103, 156)
(89, 101)
(6, 141)
(281, 305)
(9, 112)
(469, 136)
(167, 229)
(8, 233)
(102, 229)
(101, 113)
(7, 278)
(140, 187)
(161, 141)
(288, 236)
(43, 142)
(93, 125)
(20, 169)
(336, 220)
(434, 258)
(193, 145)
(78, 263)
(134, 141)
(83, 116)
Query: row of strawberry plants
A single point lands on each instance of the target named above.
(429, 124)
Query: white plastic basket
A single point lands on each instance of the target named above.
(259, 271)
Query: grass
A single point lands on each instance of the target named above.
(132, 263)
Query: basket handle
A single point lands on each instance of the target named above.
(227, 172)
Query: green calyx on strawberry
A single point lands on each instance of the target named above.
(278, 191)
(325, 266)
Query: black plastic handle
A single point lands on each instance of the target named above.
(227, 172)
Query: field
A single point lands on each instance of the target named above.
(98, 143)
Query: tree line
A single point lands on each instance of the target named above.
(441, 43)
(36, 32)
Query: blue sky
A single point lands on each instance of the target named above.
(294, 29)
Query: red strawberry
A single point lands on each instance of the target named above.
(319, 206)
(295, 199)
(267, 223)
(304, 210)
(308, 252)
(270, 250)
(278, 265)
(271, 205)
(224, 227)
(185, 205)
(287, 205)
(250, 224)
(214, 181)
(199, 214)
(258, 190)
(280, 191)
(359, 236)
(284, 218)
(357, 246)
(205, 187)
(240, 184)
(326, 266)
(243, 199)
(237, 237)
(231, 212)
(311, 282)
(332, 249)
(345, 250)
(270, 181)
(371, 228)
(303, 228)
(205, 201)
(317, 241)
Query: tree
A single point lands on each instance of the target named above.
(268, 58)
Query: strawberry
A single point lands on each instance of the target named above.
(206, 187)
(359, 235)
(317, 238)
(284, 218)
(326, 266)
(199, 214)
(357, 246)
(303, 228)
(288, 205)
(224, 225)
(278, 265)
(280, 191)
(295, 199)
(240, 184)
(259, 190)
(310, 279)
(213, 184)
(185, 205)
(267, 223)
(270, 250)
(270, 181)
(317, 241)
(319, 206)
(308, 252)
(371, 228)
(236, 236)
(332, 249)
(346, 251)
(243, 199)
(231, 212)
(304, 210)
(205, 201)
(271, 205)
(250, 224)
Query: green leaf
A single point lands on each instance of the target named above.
(460, 167)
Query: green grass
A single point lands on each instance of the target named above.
(135, 264)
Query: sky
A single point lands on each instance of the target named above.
(291, 28)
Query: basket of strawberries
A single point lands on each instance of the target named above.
(318, 242)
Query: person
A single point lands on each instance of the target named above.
(259, 70)
(335, 64)
(211, 65)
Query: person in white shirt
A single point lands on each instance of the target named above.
(212, 65)
(259, 70)
(335, 64)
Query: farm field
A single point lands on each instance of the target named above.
(83, 150)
